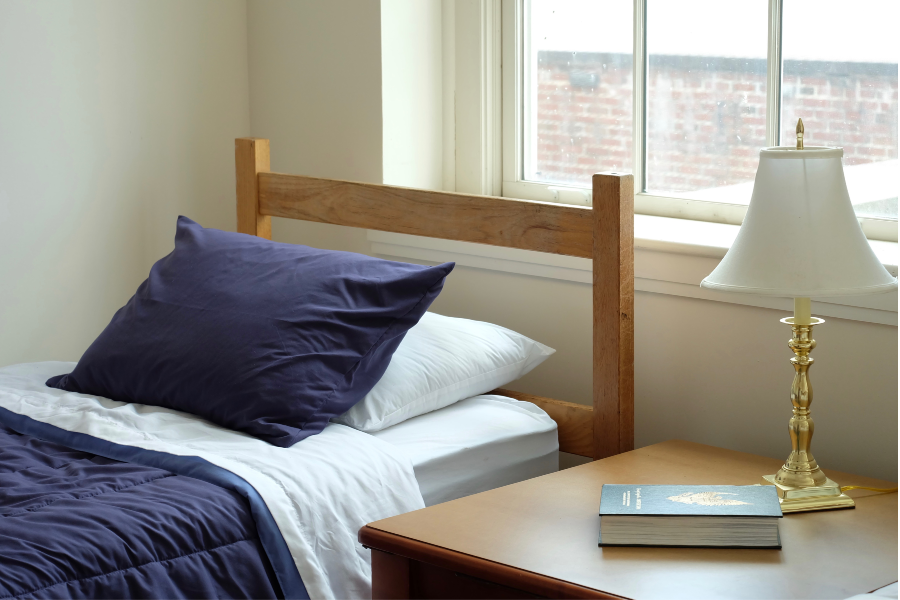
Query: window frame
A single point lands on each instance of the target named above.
(514, 16)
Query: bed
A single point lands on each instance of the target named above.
(269, 521)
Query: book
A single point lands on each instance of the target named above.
(719, 516)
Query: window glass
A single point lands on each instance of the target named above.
(840, 77)
(578, 103)
(706, 104)
(706, 97)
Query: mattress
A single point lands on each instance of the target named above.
(476, 445)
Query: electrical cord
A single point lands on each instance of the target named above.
(846, 488)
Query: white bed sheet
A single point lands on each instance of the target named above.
(320, 491)
(476, 445)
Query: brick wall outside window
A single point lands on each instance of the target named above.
(706, 116)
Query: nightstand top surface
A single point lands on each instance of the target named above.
(549, 526)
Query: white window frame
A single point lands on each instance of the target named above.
(672, 255)
(513, 115)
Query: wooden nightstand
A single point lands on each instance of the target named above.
(538, 538)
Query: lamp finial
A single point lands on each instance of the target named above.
(799, 134)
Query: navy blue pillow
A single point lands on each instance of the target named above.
(266, 338)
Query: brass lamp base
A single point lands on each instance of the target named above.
(801, 484)
(827, 496)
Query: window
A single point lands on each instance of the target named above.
(683, 93)
(577, 90)
(706, 97)
(840, 68)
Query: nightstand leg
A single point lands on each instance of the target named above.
(390, 576)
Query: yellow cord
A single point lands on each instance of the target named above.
(862, 487)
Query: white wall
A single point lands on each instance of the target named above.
(315, 92)
(411, 93)
(115, 117)
(720, 374)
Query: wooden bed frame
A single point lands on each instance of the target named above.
(604, 233)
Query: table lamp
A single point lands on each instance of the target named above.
(801, 239)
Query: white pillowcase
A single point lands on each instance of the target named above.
(443, 360)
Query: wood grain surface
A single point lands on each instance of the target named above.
(545, 227)
(251, 157)
(393, 576)
(548, 527)
(575, 422)
(613, 314)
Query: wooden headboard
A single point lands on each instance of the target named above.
(604, 233)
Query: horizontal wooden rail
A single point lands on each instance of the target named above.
(574, 421)
(604, 233)
(539, 226)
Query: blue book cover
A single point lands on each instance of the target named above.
(690, 500)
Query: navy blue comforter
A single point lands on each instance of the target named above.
(76, 525)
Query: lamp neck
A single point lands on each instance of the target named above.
(802, 311)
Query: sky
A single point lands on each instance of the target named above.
(837, 30)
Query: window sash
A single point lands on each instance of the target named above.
(514, 18)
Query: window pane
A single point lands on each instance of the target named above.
(706, 97)
(578, 89)
(840, 77)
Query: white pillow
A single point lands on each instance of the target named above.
(443, 360)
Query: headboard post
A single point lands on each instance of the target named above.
(613, 212)
(251, 157)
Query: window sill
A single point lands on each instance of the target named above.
(671, 257)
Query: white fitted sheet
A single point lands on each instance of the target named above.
(476, 445)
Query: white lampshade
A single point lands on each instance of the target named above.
(800, 237)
